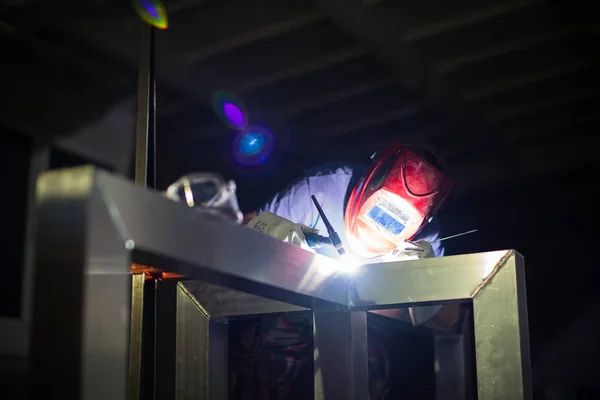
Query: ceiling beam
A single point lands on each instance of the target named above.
(515, 82)
(447, 66)
(369, 121)
(531, 108)
(255, 35)
(334, 97)
(567, 124)
(301, 69)
(427, 30)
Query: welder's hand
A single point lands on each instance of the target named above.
(414, 251)
(282, 229)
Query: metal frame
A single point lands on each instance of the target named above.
(92, 225)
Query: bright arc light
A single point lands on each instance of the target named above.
(349, 263)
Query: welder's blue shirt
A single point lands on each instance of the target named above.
(331, 184)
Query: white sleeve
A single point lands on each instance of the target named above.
(293, 203)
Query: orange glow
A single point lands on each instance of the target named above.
(152, 272)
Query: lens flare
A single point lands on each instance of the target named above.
(234, 115)
(231, 110)
(152, 12)
(253, 146)
(252, 143)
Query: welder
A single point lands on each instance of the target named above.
(381, 212)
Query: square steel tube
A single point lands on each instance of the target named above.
(340, 340)
(191, 348)
(93, 225)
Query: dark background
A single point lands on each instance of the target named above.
(505, 91)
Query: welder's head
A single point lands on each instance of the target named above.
(400, 193)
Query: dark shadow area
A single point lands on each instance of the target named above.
(14, 166)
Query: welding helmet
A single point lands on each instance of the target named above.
(398, 196)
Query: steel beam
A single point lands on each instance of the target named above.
(134, 379)
(222, 303)
(80, 330)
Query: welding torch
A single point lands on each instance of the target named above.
(334, 238)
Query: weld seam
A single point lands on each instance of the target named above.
(194, 300)
(492, 274)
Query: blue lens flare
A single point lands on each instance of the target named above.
(252, 143)
(253, 146)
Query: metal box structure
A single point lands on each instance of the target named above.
(92, 226)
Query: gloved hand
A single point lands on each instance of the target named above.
(414, 251)
(282, 229)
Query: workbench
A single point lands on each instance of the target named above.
(88, 337)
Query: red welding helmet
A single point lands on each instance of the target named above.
(394, 200)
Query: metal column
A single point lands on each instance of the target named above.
(145, 139)
(80, 334)
(502, 334)
(201, 351)
(341, 355)
(134, 380)
(145, 174)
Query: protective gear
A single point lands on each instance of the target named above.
(393, 201)
(282, 229)
(209, 192)
(414, 251)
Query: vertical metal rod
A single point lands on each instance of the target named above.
(135, 340)
(145, 162)
(146, 107)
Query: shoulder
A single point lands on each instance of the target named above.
(334, 170)
(324, 174)
(329, 182)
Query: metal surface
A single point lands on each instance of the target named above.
(220, 302)
(80, 331)
(502, 333)
(168, 235)
(135, 337)
(146, 110)
(201, 352)
(103, 217)
(447, 279)
(165, 343)
(341, 355)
